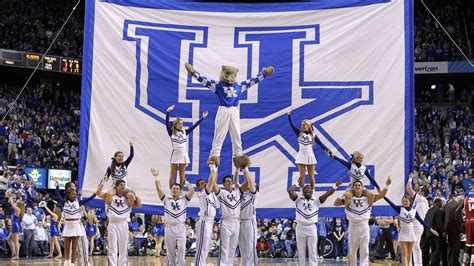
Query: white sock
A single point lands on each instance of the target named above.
(472, 258)
(465, 258)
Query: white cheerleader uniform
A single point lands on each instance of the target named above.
(407, 232)
(306, 141)
(72, 217)
(179, 141)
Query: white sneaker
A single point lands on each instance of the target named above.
(338, 259)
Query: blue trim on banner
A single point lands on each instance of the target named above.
(244, 7)
(262, 213)
(86, 89)
(409, 89)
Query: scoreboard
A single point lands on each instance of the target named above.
(31, 60)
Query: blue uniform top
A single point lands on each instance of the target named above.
(39, 214)
(228, 94)
(53, 228)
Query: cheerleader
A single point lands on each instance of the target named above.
(179, 155)
(54, 231)
(14, 236)
(407, 236)
(118, 169)
(73, 229)
(305, 158)
(357, 171)
(158, 233)
(91, 229)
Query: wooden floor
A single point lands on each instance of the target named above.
(152, 261)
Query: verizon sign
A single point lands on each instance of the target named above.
(431, 67)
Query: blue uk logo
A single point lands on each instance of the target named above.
(162, 49)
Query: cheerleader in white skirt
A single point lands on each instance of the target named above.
(407, 236)
(179, 141)
(305, 158)
(73, 229)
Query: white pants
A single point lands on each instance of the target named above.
(227, 120)
(359, 236)
(84, 245)
(417, 256)
(248, 242)
(203, 240)
(307, 237)
(117, 242)
(229, 238)
(175, 237)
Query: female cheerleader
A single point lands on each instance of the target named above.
(406, 236)
(16, 230)
(118, 169)
(91, 229)
(54, 231)
(179, 155)
(158, 233)
(73, 229)
(305, 158)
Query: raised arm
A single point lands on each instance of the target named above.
(17, 210)
(291, 193)
(156, 173)
(295, 129)
(410, 190)
(99, 189)
(138, 202)
(236, 178)
(328, 193)
(254, 80)
(130, 156)
(190, 193)
(371, 179)
(209, 83)
(169, 127)
(53, 215)
(342, 161)
(373, 198)
(318, 141)
(249, 180)
(57, 193)
(395, 207)
(86, 200)
(189, 130)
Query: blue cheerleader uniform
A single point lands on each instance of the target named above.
(90, 229)
(53, 228)
(159, 230)
(16, 224)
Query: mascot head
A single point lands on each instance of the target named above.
(228, 74)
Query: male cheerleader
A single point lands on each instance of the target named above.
(175, 216)
(469, 210)
(230, 201)
(358, 211)
(248, 220)
(119, 211)
(307, 209)
(208, 204)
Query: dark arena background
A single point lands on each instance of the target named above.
(389, 82)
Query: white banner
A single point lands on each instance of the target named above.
(345, 65)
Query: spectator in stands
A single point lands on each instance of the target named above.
(3, 238)
(41, 239)
(30, 222)
(148, 245)
(263, 248)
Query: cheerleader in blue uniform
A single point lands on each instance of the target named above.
(54, 231)
(16, 230)
(91, 229)
(158, 233)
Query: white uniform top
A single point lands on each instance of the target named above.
(207, 204)
(306, 142)
(359, 210)
(307, 210)
(71, 210)
(248, 205)
(356, 173)
(420, 204)
(406, 219)
(175, 210)
(120, 174)
(119, 209)
(230, 203)
(179, 139)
